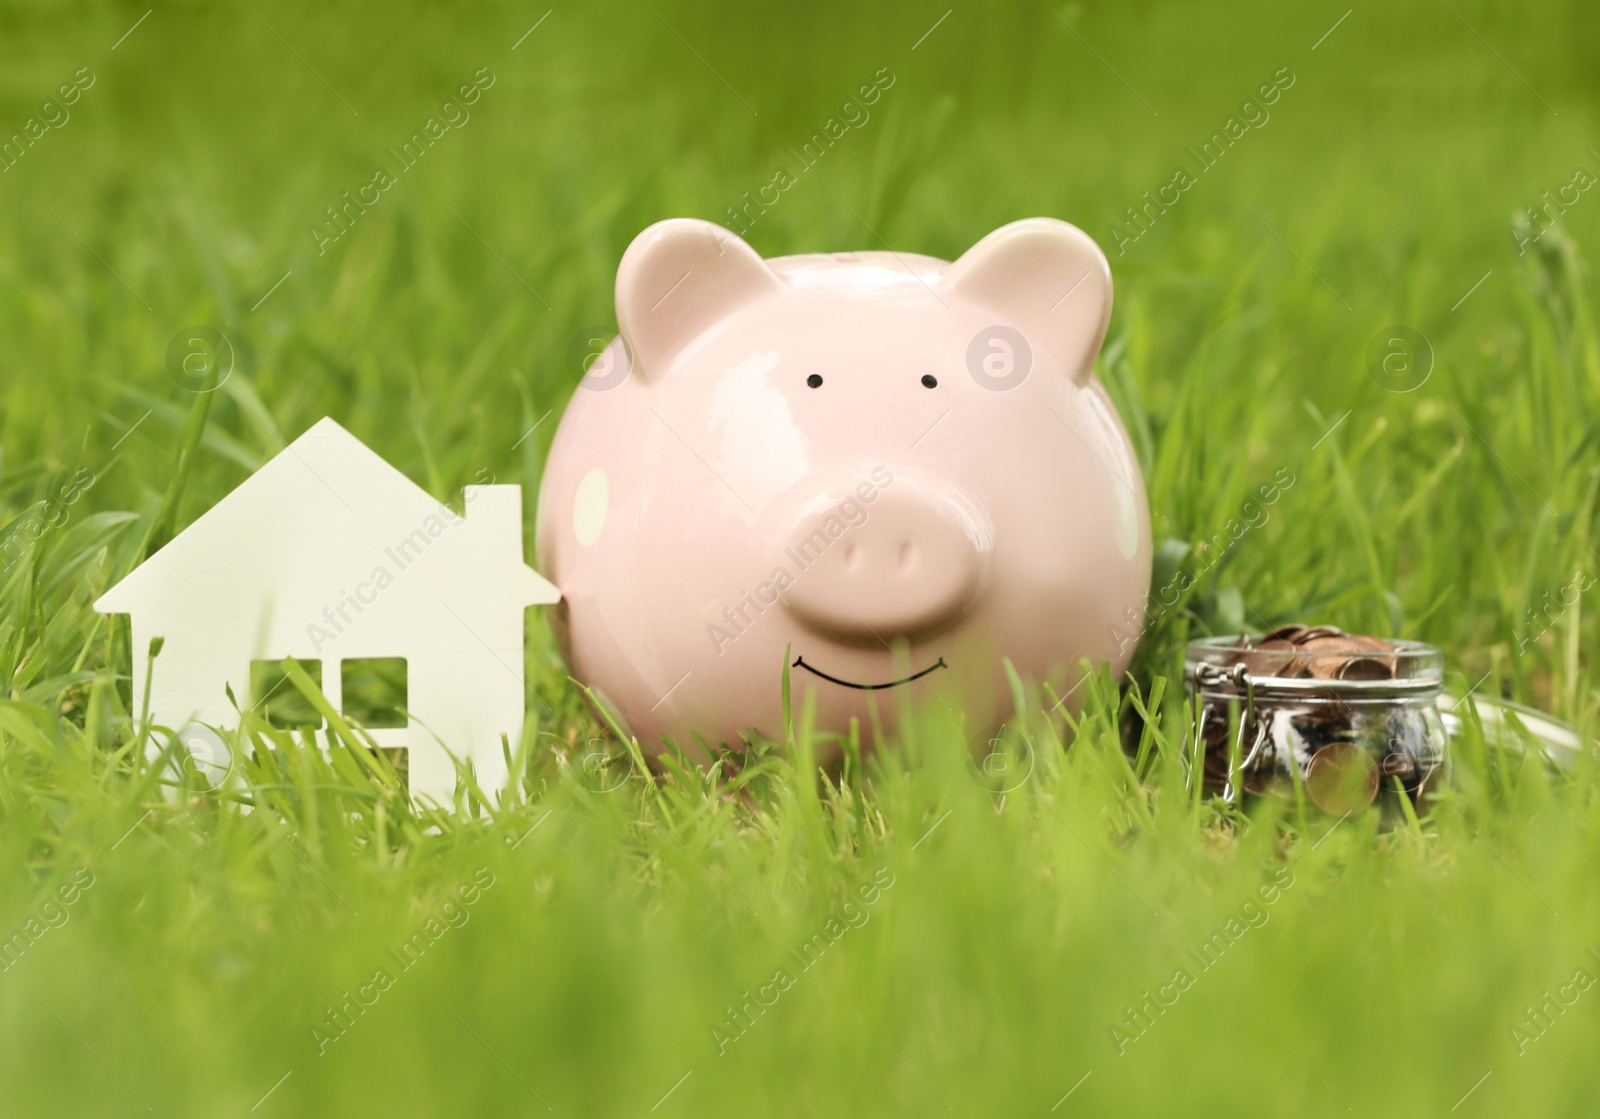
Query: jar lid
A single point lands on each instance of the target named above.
(1342, 664)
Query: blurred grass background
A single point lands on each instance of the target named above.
(1384, 190)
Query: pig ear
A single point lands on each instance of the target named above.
(1049, 278)
(677, 278)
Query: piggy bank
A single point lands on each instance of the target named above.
(887, 472)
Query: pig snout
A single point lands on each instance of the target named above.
(906, 565)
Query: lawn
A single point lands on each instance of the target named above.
(895, 938)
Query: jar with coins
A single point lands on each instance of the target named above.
(1348, 720)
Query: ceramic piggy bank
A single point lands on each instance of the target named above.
(886, 471)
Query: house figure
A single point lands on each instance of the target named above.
(408, 615)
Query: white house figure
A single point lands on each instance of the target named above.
(388, 598)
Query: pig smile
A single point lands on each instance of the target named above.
(800, 662)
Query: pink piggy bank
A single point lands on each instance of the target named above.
(886, 471)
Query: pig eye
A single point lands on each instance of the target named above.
(929, 381)
(815, 380)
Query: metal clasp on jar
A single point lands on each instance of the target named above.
(1209, 676)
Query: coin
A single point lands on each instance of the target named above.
(1403, 766)
(1349, 657)
(1273, 657)
(1365, 668)
(1341, 778)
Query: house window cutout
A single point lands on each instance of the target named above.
(276, 697)
(399, 759)
(374, 691)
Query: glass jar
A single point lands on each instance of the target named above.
(1349, 730)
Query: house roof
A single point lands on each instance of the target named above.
(325, 494)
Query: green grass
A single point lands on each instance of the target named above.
(614, 918)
